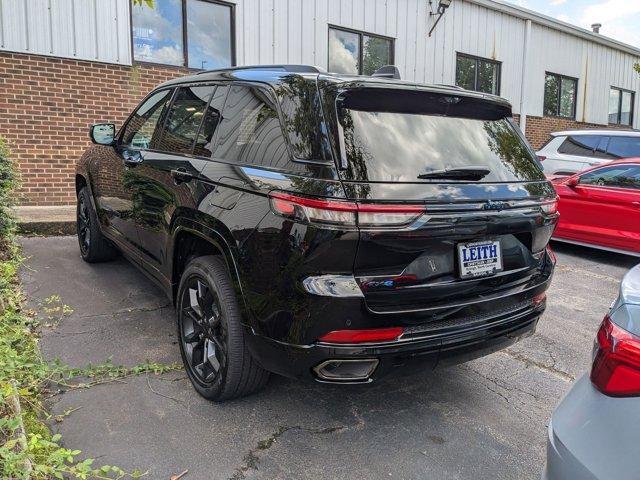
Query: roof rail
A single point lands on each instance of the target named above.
(457, 87)
(281, 68)
(387, 71)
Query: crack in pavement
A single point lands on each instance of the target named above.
(565, 376)
(251, 459)
(125, 310)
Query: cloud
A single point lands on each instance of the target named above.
(555, 3)
(342, 58)
(610, 10)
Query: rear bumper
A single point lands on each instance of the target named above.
(399, 357)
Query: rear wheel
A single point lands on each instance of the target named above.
(94, 247)
(212, 341)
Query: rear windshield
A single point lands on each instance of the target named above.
(398, 139)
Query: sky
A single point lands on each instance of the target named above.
(620, 19)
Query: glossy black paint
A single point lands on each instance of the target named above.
(159, 219)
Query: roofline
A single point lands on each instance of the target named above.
(544, 20)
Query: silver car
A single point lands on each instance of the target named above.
(572, 151)
(595, 431)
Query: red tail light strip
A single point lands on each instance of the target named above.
(616, 365)
(363, 336)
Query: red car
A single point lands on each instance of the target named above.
(600, 207)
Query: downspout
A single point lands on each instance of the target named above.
(523, 81)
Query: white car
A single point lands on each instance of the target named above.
(572, 151)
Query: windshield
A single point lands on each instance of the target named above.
(405, 146)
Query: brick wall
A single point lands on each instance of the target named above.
(47, 105)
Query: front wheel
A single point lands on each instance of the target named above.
(211, 335)
(94, 247)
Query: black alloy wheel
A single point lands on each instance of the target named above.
(203, 333)
(84, 226)
(211, 335)
(94, 247)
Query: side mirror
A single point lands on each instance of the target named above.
(572, 182)
(102, 133)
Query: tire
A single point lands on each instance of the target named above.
(94, 247)
(211, 335)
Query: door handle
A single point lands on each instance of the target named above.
(131, 159)
(180, 175)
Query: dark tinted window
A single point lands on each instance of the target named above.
(624, 147)
(583, 145)
(621, 176)
(560, 95)
(183, 121)
(204, 146)
(481, 74)
(394, 144)
(141, 128)
(250, 131)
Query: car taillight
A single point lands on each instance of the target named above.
(363, 336)
(343, 213)
(542, 158)
(550, 207)
(616, 363)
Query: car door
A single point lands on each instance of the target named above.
(167, 177)
(113, 172)
(604, 207)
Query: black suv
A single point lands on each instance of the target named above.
(323, 226)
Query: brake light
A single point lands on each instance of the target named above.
(363, 336)
(341, 212)
(616, 365)
(542, 158)
(551, 207)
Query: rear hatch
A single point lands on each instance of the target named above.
(470, 211)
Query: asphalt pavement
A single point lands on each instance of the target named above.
(483, 419)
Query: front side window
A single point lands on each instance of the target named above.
(623, 147)
(159, 33)
(184, 119)
(619, 176)
(358, 53)
(250, 131)
(620, 106)
(479, 74)
(560, 96)
(141, 129)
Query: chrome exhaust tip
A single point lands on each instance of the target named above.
(346, 371)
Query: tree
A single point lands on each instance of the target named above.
(637, 67)
(148, 3)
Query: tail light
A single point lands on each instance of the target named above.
(343, 213)
(363, 336)
(542, 158)
(616, 363)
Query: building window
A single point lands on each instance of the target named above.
(358, 53)
(480, 74)
(620, 106)
(193, 33)
(560, 96)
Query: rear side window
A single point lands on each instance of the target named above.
(624, 147)
(398, 136)
(184, 119)
(250, 132)
(582, 145)
(213, 114)
(620, 176)
(141, 128)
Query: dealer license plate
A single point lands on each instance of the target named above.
(479, 259)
